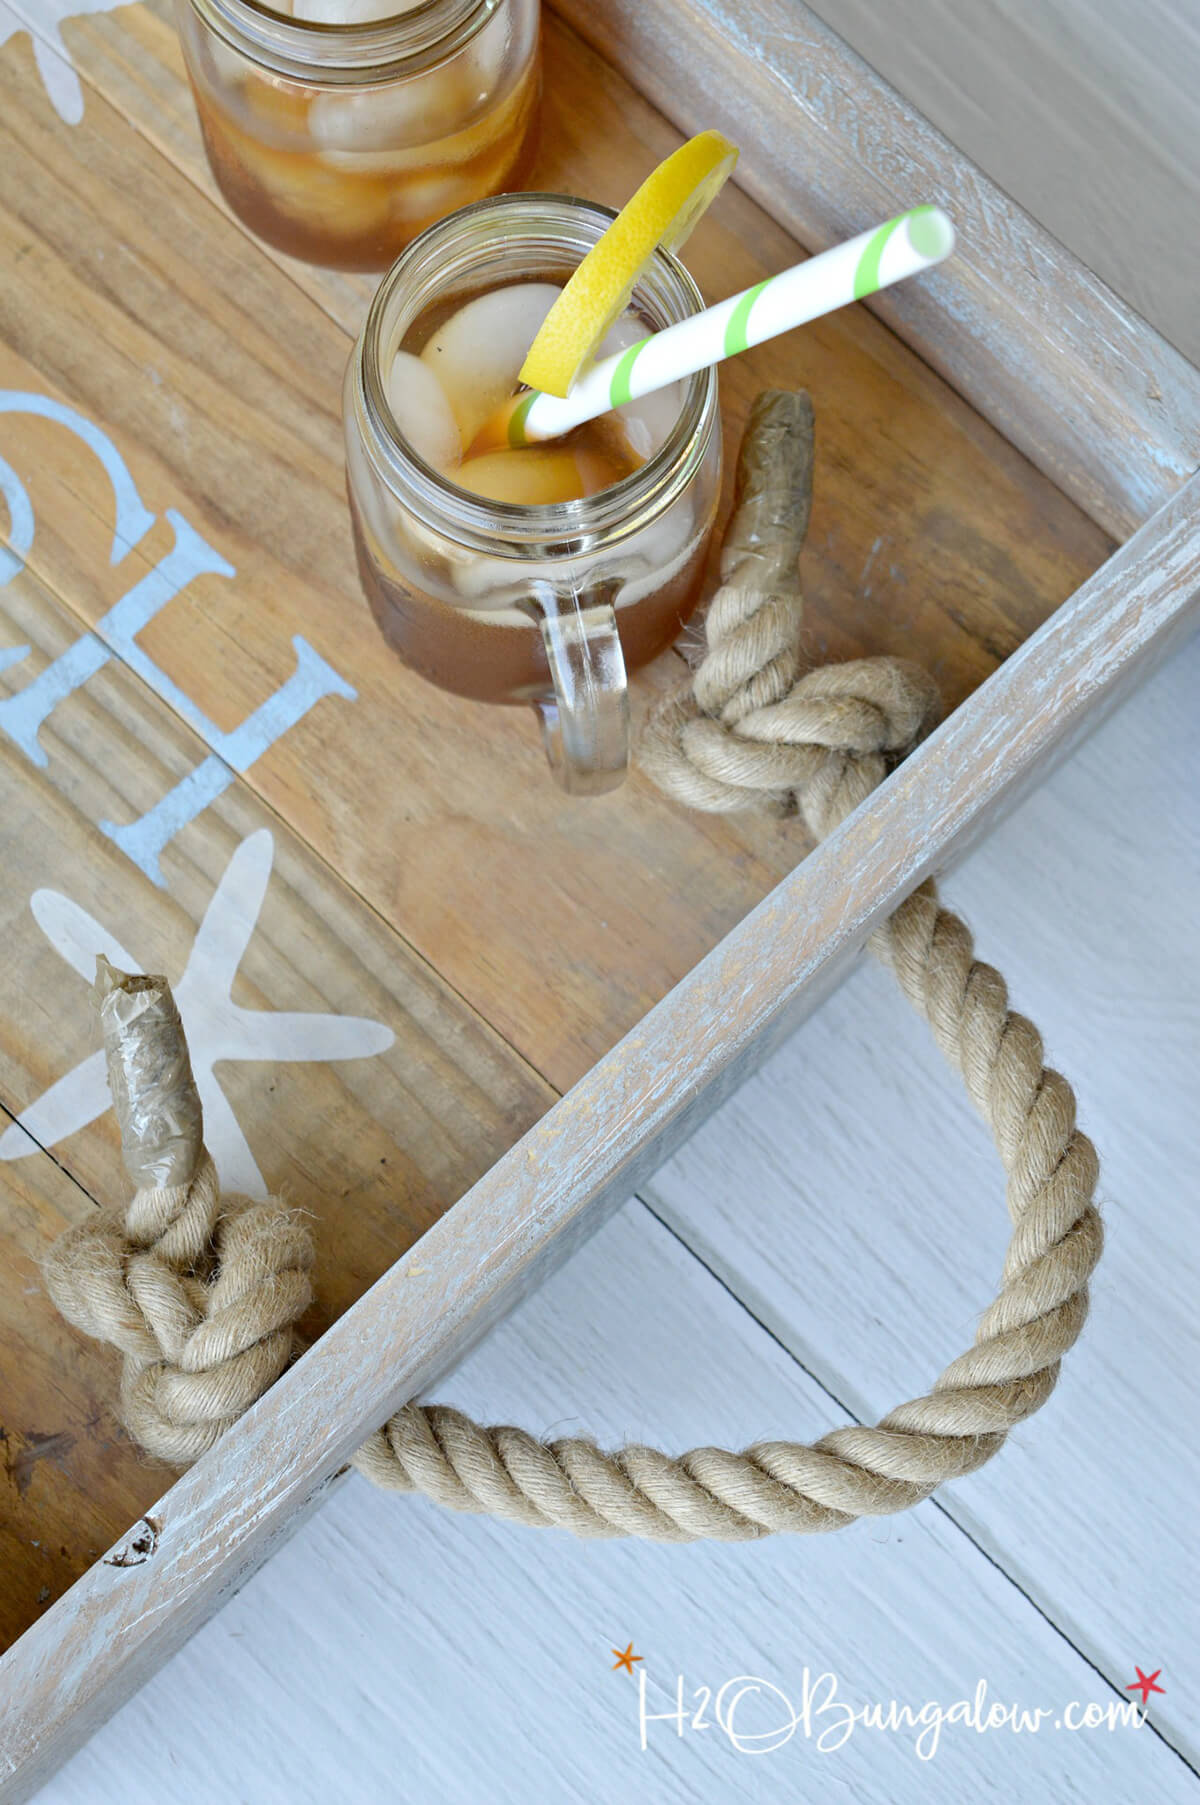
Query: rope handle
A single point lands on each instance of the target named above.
(201, 1294)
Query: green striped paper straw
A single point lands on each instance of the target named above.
(911, 242)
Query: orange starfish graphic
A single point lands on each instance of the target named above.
(625, 1659)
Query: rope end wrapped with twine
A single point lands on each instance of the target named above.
(201, 1296)
(199, 1293)
(150, 1077)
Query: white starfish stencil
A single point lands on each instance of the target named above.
(216, 1027)
(41, 19)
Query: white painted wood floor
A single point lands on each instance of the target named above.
(807, 1261)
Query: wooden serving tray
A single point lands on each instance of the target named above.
(546, 992)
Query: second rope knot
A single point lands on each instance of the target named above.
(748, 730)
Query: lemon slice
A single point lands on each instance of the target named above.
(661, 214)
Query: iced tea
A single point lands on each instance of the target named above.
(339, 138)
(494, 575)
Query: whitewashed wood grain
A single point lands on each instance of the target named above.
(392, 1651)
(849, 1195)
(1032, 338)
(1084, 112)
(91, 1649)
(291, 1432)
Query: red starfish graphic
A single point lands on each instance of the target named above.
(1145, 1684)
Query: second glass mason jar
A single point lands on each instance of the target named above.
(340, 143)
(546, 605)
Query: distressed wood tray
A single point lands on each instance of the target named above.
(531, 999)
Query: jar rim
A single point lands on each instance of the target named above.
(561, 528)
(321, 53)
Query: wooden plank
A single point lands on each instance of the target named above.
(220, 382)
(1066, 370)
(66, 1465)
(131, 55)
(374, 1146)
(135, 303)
(851, 1197)
(389, 1624)
(602, 1140)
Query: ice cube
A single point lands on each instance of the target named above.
(479, 351)
(422, 412)
(416, 111)
(417, 194)
(321, 199)
(277, 111)
(538, 477)
(420, 199)
(648, 422)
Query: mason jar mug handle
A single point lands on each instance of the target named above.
(585, 725)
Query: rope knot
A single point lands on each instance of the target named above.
(819, 750)
(748, 731)
(201, 1296)
(199, 1293)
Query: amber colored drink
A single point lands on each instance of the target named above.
(500, 656)
(543, 574)
(476, 630)
(346, 174)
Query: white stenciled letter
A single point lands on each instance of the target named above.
(313, 678)
(115, 634)
(23, 715)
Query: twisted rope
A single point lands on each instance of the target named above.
(746, 731)
(199, 1293)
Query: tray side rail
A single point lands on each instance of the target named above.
(608, 1134)
(1087, 389)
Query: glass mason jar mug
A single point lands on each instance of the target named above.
(339, 143)
(501, 600)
